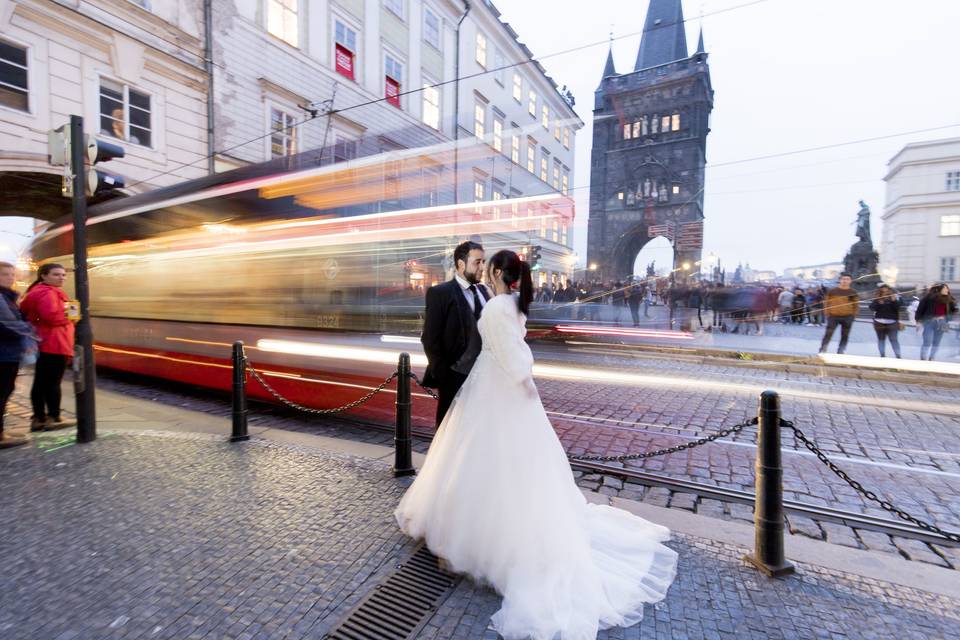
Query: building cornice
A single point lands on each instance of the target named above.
(920, 162)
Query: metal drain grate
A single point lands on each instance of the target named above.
(399, 606)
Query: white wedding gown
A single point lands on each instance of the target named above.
(497, 500)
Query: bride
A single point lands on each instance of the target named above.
(496, 498)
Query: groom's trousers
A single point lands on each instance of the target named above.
(447, 390)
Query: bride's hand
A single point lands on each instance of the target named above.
(530, 388)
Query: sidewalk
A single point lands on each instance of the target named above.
(163, 529)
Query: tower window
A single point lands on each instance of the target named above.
(665, 124)
(626, 131)
(636, 129)
(675, 122)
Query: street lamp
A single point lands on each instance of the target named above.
(593, 266)
(686, 266)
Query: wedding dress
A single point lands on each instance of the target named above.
(497, 500)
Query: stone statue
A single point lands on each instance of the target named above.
(863, 222)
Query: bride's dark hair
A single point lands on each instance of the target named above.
(513, 270)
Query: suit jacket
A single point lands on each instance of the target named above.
(450, 337)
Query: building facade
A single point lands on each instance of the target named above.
(920, 242)
(825, 271)
(649, 148)
(137, 76)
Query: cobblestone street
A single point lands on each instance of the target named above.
(161, 535)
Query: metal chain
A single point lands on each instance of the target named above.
(662, 452)
(300, 407)
(420, 384)
(870, 495)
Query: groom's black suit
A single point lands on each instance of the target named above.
(450, 340)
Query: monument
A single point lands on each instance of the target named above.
(862, 259)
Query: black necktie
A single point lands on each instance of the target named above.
(477, 308)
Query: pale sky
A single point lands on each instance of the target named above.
(787, 75)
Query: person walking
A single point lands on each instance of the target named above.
(840, 306)
(799, 306)
(45, 307)
(934, 311)
(16, 337)
(887, 320)
(785, 302)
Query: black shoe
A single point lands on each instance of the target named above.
(36, 424)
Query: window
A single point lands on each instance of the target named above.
(556, 175)
(499, 62)
(431, 187)
(345, 50)
(948, 269)
(14, 90)
(482, 50)
(498, 134)
(515, 148)
(665, 124)
(532, 107)
(676, 188)
(950, 225)
(531, 155)
(395, 7)
(479, 120)
(675, 122)
(545, 117)
(563, 233)
(565, 185)
(125, 113)
(544, 164)
(344, 148)
(644, 126)
(431, 28)
(431, 104)
(497, 196)
(620, 195)
(953, 180)
(283, 137)
(566, 137)
(636, 129)
(517, 87)
(282, 20)
(654, 122)
(556, 131)
(626, 131)
(479, 189)
(393, 79)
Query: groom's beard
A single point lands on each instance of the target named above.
(472, 278)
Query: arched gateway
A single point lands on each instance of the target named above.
(649, 148)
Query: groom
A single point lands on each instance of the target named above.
(450, 337)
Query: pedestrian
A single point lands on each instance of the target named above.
(16, 337)
(799, 306)
(619, 301)
(45, 307)
(814, 306)
(634, 293)
(887, 319)
(934, 311)
(695, 301)
(840, 306)
(785, 302)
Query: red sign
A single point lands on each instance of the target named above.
(665, 230)
(392, 91)
(691, 235)
(344, 59)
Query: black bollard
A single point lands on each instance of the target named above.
(768, 555)
(239, 394)
(403, 463)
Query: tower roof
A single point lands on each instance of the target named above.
(664, 36)
(700, 48)
(609, 69)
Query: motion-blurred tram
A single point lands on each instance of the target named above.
(320, 269)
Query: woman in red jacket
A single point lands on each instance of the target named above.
(45, 306)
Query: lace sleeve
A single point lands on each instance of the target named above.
(504, 337)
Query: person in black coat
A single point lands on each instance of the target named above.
(15, 336)
(450, 337)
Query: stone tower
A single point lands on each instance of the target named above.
(650, 129)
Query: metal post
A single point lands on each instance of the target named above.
(403, 463)
(768, 554)
(239, 394)
(85, 377)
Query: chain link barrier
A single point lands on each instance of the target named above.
(723, 433)
(322, 412)
(416, 379)
(870, 495)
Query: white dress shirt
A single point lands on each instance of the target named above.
(465, 287)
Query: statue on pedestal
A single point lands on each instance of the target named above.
(861, 261)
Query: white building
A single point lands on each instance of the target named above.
(825, 271)
(136, 76)
(921, 217)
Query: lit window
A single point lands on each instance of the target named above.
(497, 196)
(950, 225)
(14, 91)
(563, 233)
(482, 50)
(479, 189)
(283, 138)
(431, 104)
(498, 134)
(431, 28)
(636, 129)
(479, 120)
(948, 269)
(393, 79)
(515, 149)
(556, 175)
(531, 155)
(517, 87)
(620, 196)
(675, 122)
(545, 117)
(626, 131)
(125, 113)
(532, 106)
(665, 124)
(566, 137)
(544, 164)
(499, 62)
(676, 189)
(953, 180)
(565, 185)
(395, 7)
(556, 132)
(282, 19)
(345, 50)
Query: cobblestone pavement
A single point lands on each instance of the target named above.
(173, 536)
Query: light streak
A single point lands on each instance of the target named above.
(627, 332)
(319, 350)
(923, 366)
(400, 339)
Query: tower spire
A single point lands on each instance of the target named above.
(664, 36)
(609, 69)
(700, 48)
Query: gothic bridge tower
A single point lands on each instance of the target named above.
(650, 131)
